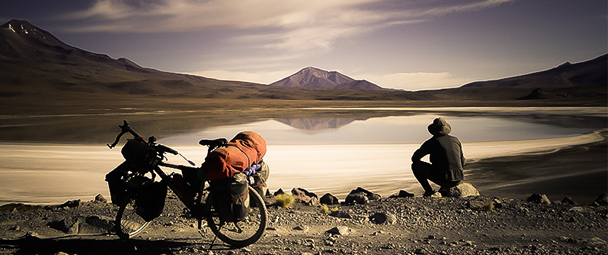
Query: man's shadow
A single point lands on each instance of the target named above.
(106, 245)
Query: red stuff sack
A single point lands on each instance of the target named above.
(245, 149)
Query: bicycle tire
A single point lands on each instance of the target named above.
(253, 226)
(128, 223)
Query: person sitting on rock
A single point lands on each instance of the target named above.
(446, 159)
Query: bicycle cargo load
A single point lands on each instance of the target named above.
(116, 183)
(260, 178)
(139, 154)
(150, 200)
(231, 197)
(245, 149)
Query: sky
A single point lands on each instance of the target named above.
(402, 44)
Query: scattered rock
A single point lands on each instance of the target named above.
(539, 198)
(403, 193)
(361, 196)
(339, 230)
(303, 196)
(602, 199)
(463, 189)
(329, 199)
(341, 214)
(279, 191)
(568, 201)
(67, 225)
(383, 218)
(100, 199)
(356, 198)
(71, 204)
(497, 203)
(301, 228)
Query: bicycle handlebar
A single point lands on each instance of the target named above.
(160, 149)
(125, 128)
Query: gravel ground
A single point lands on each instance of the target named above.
(414, 225)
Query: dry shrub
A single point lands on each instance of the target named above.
(326, 210)
(284, 200)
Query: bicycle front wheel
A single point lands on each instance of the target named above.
(240, 233)
(128, 222)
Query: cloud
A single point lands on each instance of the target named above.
(294, 25)
(416, 81)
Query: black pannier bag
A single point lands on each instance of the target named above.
(116, 183)
(150, 200)
(138, 154)
(231, 197)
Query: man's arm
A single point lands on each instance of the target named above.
(462, 159)
(421, 152)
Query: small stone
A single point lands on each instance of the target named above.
(302, 228)
(602, 199)
(568, 201)
(383, 218)
(403, 193)
(100, 199)
(463, 189)
(539, 198)
(340, 230)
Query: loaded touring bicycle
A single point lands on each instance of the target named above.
(231, 207)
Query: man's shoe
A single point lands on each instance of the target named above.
(428, 193)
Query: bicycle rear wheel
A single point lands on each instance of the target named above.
(128, 222)
(243, 232)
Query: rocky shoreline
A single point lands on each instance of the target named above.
(400, 224)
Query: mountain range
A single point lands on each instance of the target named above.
(39, 70)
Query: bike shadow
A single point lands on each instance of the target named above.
(105, 245)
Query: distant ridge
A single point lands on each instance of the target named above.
(587, 73)
(311, 77)
(33, 61)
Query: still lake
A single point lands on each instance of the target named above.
(320, 154)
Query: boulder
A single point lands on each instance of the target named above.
(463, 189)
(329, 199)
(303, 196)
(356, 198)
(361, 196)
(539, 198)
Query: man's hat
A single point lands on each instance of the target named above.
(439, 127)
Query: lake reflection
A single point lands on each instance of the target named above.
(319, 154)
(385, 130)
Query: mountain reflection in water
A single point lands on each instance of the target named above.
(318, 123)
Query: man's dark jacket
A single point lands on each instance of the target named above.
(445, 155)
